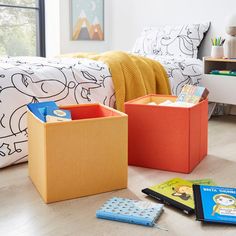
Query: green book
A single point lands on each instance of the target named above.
(223, 72)
(177, 192)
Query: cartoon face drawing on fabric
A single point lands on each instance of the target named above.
(177, 38)
(190, 72)
(225, 205)
(183, 191)
(89, 83)
(39, 88)
(28, 80)
(181, 71)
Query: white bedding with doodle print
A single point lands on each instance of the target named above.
(26, 80)
(180, 70)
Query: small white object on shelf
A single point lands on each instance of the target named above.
(217, 51)
(230, 44)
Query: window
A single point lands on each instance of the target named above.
(22, 28)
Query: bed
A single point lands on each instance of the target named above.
(25, 80)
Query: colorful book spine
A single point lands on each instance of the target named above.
(192, 94)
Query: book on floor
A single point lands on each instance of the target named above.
(130, 211)
(176, 192)
(215, 204)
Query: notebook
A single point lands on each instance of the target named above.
(176, 192)
(215, 204)
(57, 115)
(130, 211)
(39, 108)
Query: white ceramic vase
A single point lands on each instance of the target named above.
(217, 52)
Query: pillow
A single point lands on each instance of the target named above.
(170, 40)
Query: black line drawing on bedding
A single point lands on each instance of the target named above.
(83, 90)
(176, 39)
(112, 100)
(8, 149)
(189, 73)
(102, 79)
(88, 76)
(171, 40)
(1, 121)
(104, 101)
(95, 66)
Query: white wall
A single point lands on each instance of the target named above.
(130, 16)
(124, 20)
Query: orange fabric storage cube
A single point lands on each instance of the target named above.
(85, 156)
(166, 138)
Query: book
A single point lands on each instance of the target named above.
(223, 72)
(215, 204)
(57, 115)
(39, 109)
(130, 211)
(192, 94)
(176, 192)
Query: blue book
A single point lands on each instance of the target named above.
(215, 204)
(39, 109)
(130, 211)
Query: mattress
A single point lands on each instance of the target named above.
(25, 80)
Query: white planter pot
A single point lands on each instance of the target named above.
(217, 52)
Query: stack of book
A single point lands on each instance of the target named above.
(189, 96)
(49, 112)
(192, 94)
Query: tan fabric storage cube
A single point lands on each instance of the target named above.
(85, 156)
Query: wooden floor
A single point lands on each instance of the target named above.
(22, 211)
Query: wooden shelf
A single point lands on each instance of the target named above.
(218, 64)
(219, 59)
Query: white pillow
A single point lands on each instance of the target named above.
(171, 40)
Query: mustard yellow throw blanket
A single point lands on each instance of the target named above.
(133, 76)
